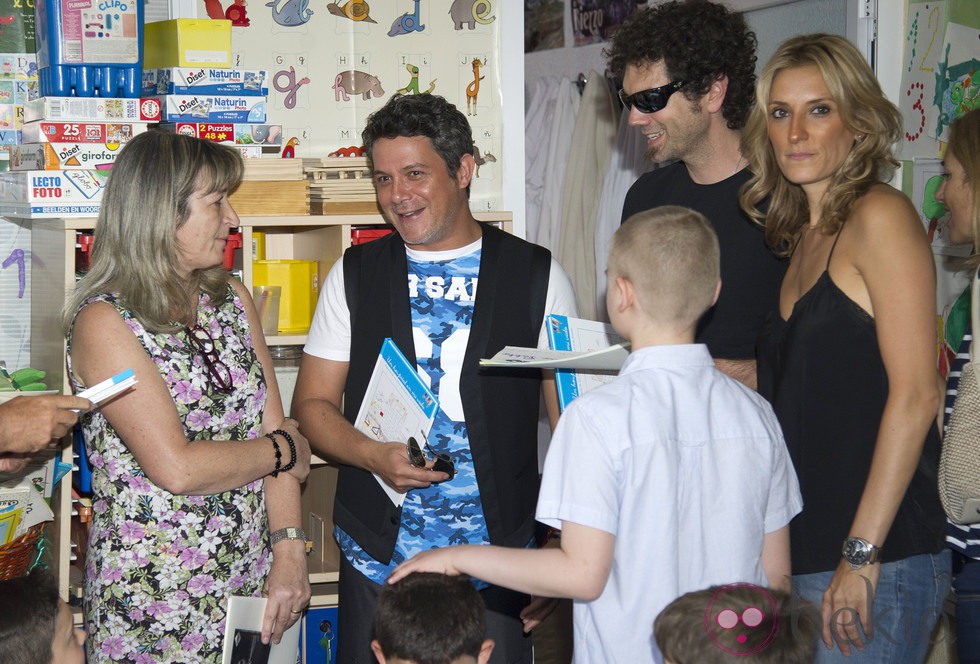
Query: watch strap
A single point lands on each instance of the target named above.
(287, 534)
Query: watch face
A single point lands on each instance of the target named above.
(856, 551)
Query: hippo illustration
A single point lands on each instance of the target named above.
(354, 82)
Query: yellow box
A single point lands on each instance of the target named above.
(300, 285)
(187, 42)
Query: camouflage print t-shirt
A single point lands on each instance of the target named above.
(442, 295)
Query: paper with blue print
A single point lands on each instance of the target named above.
(397, 404)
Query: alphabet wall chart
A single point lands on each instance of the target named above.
(332, 64)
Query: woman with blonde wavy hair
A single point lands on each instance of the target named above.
(195, 472)
(849, 361)
(960, 193)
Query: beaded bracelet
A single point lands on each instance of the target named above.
(278, 452)
(292, 450)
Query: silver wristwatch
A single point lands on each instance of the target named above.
(859, 552)
(287, 533)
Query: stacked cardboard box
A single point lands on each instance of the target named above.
(223, 105)
(70, 143)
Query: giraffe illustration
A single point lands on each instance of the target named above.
(473, 89)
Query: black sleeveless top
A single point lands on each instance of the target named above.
(823, 373)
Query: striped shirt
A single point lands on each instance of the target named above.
(965, 539)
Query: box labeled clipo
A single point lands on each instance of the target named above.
(212, 108)
(205, 81)
(42, 131)
(187, 42)
(93, 109)
(58, 156)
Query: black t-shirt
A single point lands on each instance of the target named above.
(750, 273)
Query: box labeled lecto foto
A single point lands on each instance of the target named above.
(211, 108)
(58, 156)
(53, 188)
(205, 81)
(187, 42)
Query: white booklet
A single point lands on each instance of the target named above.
(243, 635)
(584, 355)
(397, 404)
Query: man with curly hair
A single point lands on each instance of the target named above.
(705, 53)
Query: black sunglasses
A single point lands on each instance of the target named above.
(204, 345)
(418, 459)
(652, 100)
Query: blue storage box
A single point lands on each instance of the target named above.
(95, 50)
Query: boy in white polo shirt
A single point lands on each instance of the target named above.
(671, 478)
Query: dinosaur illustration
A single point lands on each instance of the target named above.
(481, 159)
(413, 84)
(471, 12)
(406, 23)
(355, 10)
(291, 13)
(473, 89)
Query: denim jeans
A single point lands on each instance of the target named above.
(908, 600)
(966, 585)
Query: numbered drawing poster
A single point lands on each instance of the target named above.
(331, 64)
(15, 294)
(924, 39)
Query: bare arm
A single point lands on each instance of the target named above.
(550, 391)
(146, 418)
(743, 371)
(579, 569)
(316, 404)
(775, 558)
(288, 584)
(29, 424)
(890, 253)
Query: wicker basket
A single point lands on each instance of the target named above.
(19, 556)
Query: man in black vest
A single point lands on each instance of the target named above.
(418, 286)
(688, 73)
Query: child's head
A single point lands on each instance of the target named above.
(670, 256)
(726, 623)
(40, 631)
(429, 618)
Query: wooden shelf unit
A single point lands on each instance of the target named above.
(311, 237)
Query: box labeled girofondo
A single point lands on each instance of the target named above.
(58, 156)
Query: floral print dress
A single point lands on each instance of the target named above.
(160, 566)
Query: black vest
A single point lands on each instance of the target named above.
(500, 406)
